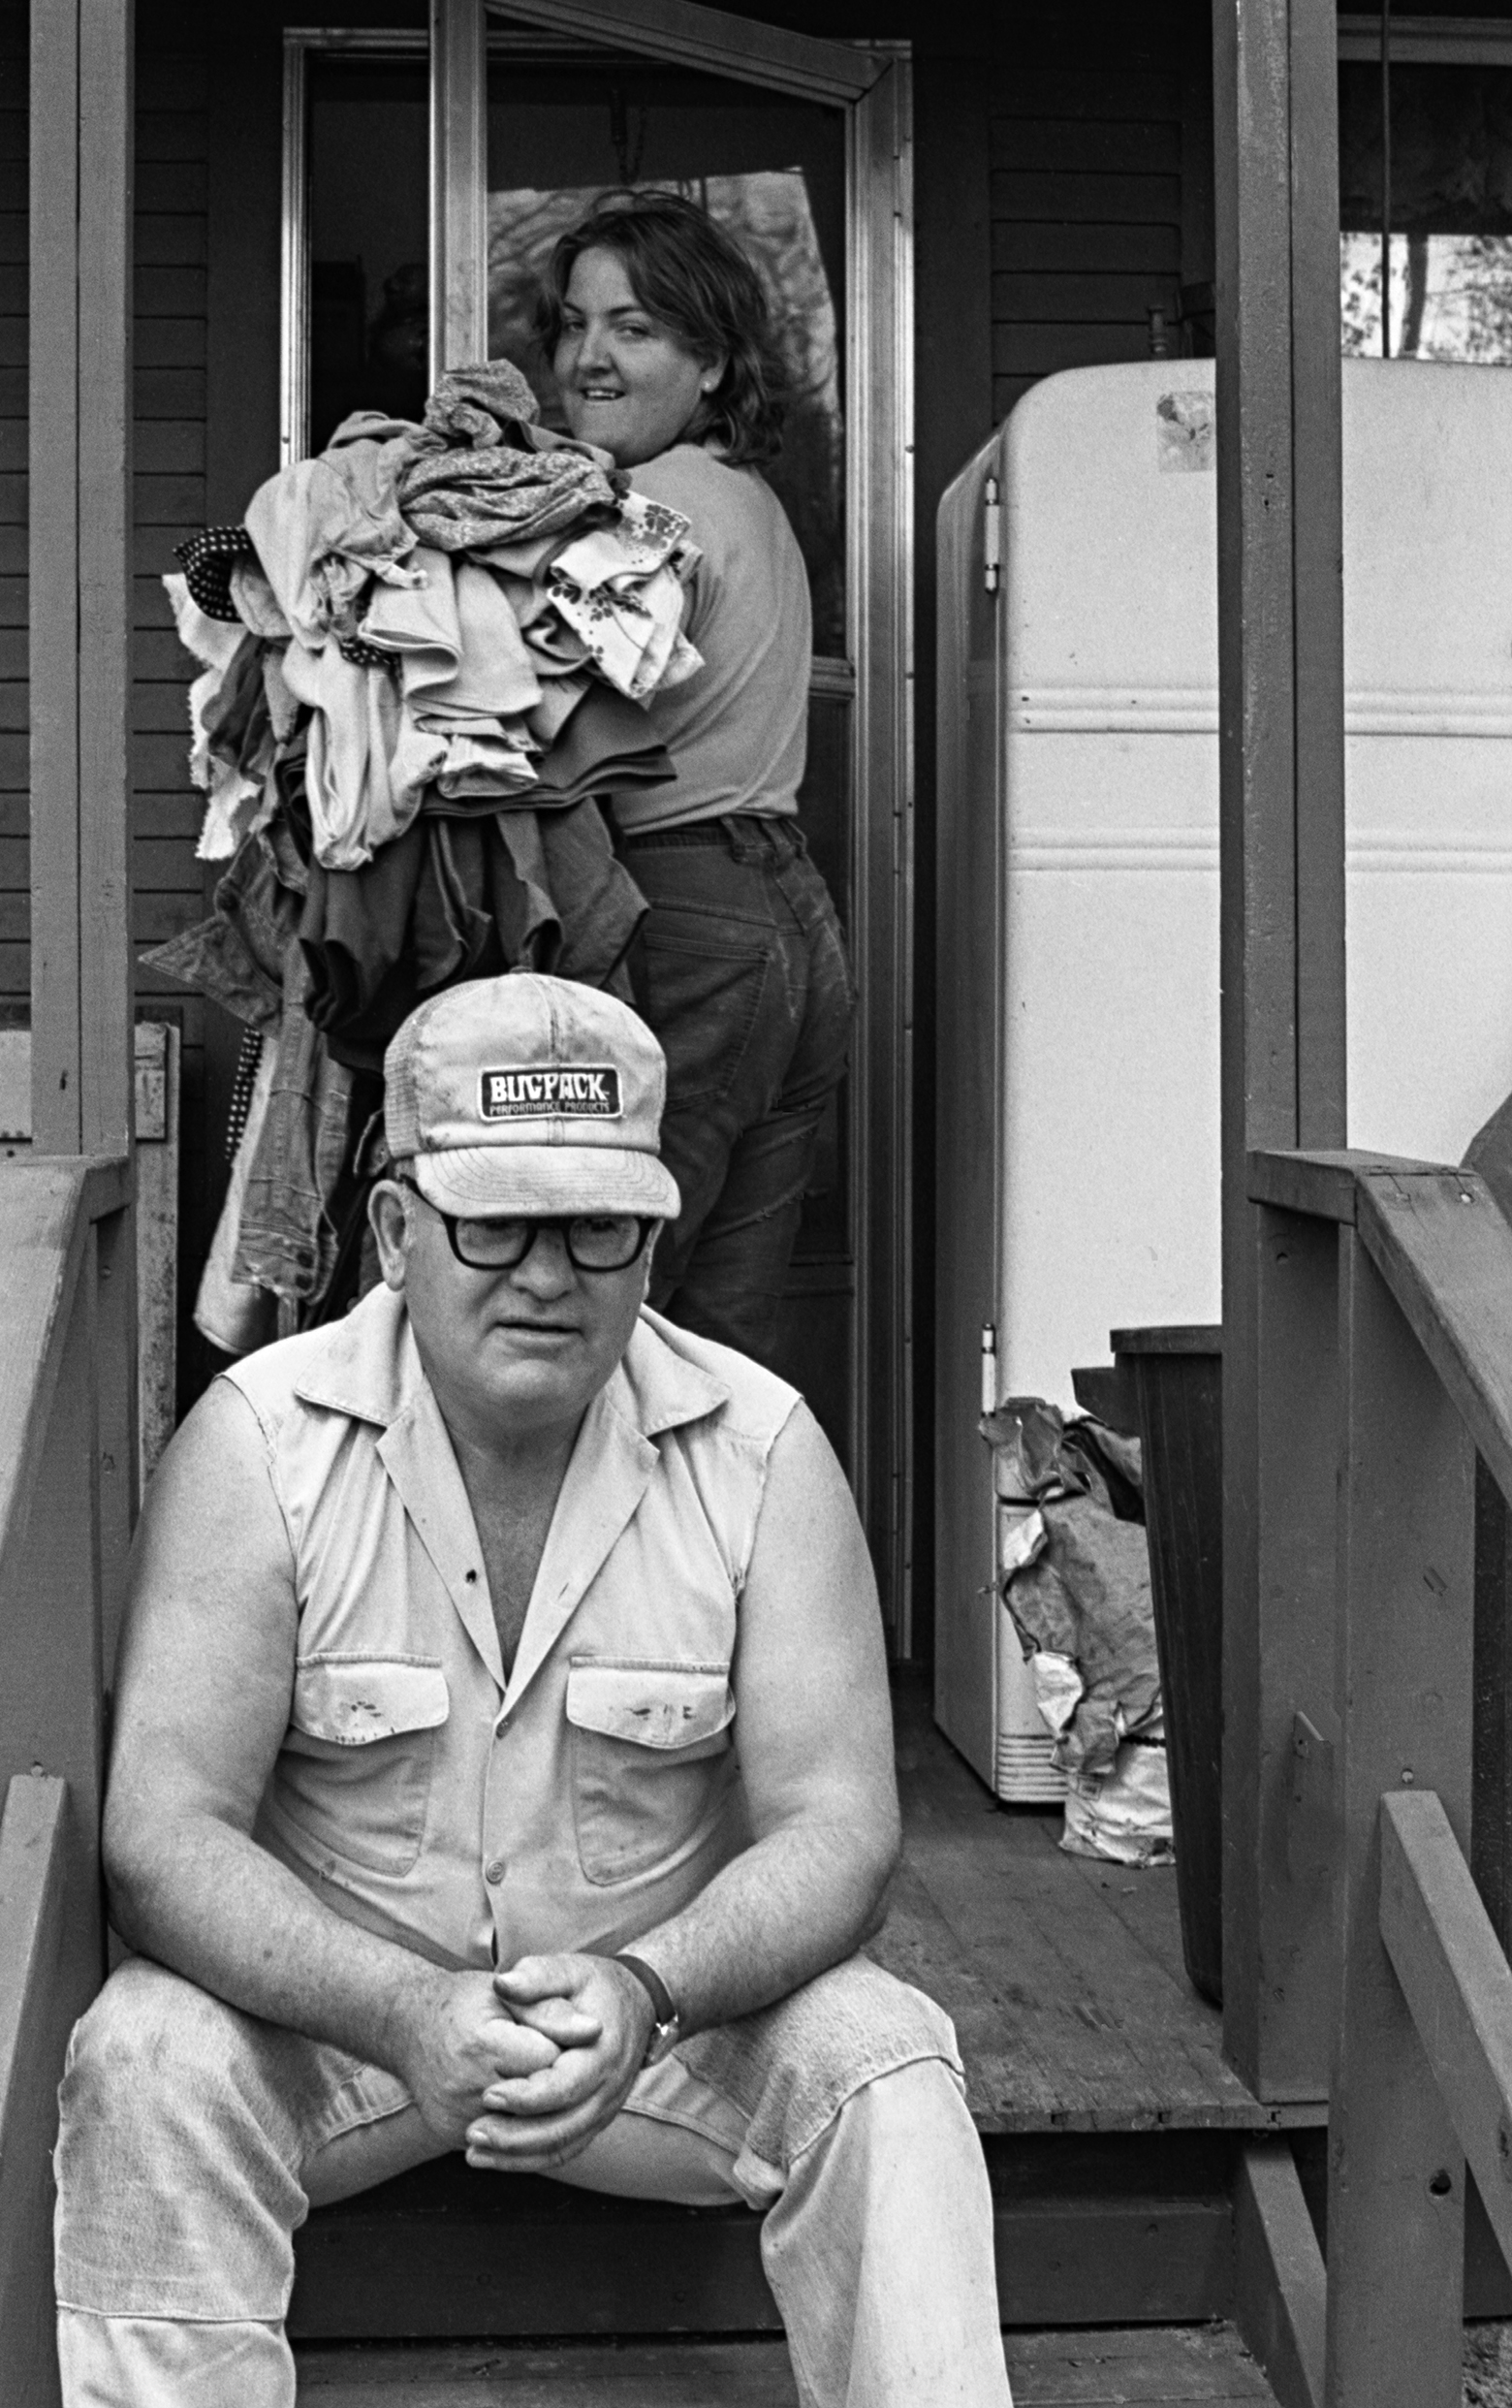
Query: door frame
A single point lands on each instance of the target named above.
(873, 82)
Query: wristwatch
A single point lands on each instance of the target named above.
(667, 2029)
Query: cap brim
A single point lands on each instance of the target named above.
(494, 1179)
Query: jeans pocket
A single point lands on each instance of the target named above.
(703, 999)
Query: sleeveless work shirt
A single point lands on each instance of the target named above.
(597, 1791)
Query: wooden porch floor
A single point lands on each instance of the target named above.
(1151, 2366)
(1064, 1976)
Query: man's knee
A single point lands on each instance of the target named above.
(151, 2044)
(794, 2066)
(856, 2022)
(909, 2114)
(176, 2162)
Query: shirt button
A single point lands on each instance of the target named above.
(493, 1873)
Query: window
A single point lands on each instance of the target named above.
(357, 303)
(767, 166)
(1425, 176)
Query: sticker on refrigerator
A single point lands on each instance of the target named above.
(1183, 430)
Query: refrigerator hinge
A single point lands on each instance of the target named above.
(992, 536)
(988, 1367)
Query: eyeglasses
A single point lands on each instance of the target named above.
(594, 1241)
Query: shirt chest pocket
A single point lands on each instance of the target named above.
(355, 1768)
(650, 1759)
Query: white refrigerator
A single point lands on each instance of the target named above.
(1076, 1103)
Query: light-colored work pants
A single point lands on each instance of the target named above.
(195, 2139)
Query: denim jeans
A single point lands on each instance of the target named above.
(743, 976)
(195, 2139)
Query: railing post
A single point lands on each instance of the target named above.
(65, 1489)
(79, 593)
(1281, 750)
(1279, 1668)
(1403, 1692)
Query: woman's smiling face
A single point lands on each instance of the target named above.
(627, 383)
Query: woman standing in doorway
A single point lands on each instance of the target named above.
(657, 328)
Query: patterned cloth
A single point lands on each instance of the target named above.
(481, 404)
(460, 501)
(621, 590)
(208, 559)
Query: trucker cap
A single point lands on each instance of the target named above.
(529, 1095)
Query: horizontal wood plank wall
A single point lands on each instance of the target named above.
(166, 880)
(170, 488)
(1086, 190)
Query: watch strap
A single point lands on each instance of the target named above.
(653, 1986)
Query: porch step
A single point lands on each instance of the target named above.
(1153, 2366)
(1118, 2228)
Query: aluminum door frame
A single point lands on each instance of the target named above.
(872, 81)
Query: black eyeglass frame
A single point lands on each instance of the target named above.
(645, 1224)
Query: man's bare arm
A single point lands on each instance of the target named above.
(202, 1707)
(814, 1730)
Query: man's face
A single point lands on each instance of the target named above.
(521, 1349)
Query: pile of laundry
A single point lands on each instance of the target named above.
(424, 655)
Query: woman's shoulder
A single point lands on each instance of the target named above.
(709, 491)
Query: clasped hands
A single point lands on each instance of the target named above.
(522, 2067)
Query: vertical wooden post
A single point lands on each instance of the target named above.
(82, 53)
(51, 1632)
(52, 1711)
(880, 517)
(458, 184)
(1282, 750)
(1396, 2208)
(80, 399)
(71, 1556)
(1280, 1666)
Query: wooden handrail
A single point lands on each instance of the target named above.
(1444, 1251)
(1458, 1985)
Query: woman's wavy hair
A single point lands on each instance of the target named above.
(688, 274)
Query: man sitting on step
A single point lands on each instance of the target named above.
(503, 1763)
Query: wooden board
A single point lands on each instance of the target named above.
(1406, 1598)
(33, 1898)
(1064, 1977)
(1151, 2367)
(1111, 2229)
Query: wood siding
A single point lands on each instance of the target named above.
(1099, 124)
(168, 882)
